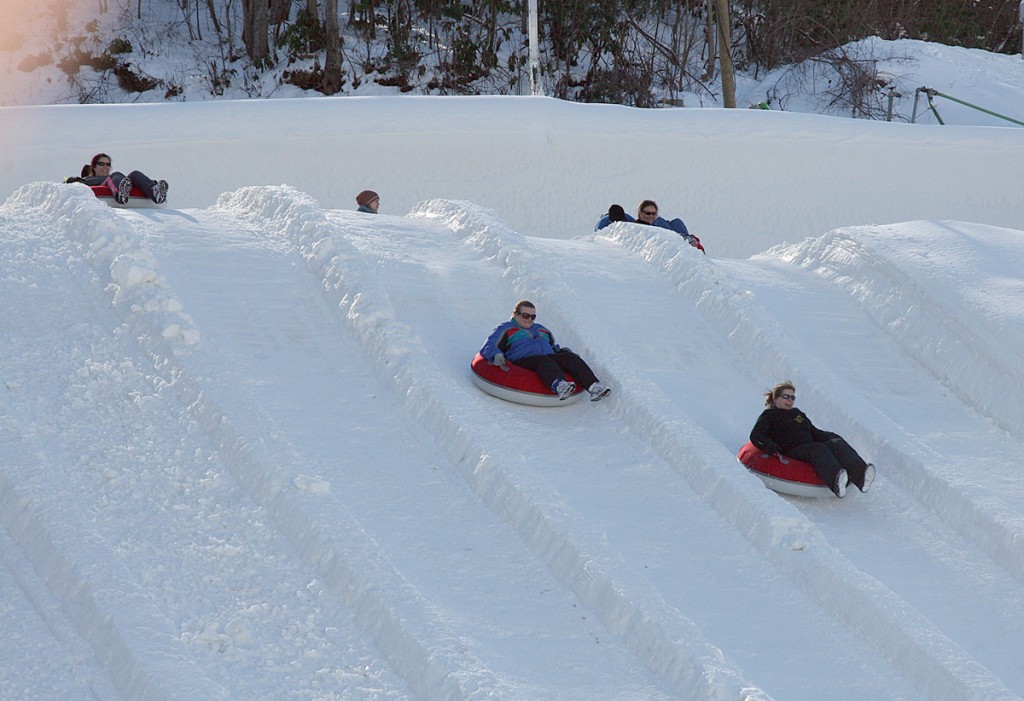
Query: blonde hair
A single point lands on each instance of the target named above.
(773, 394)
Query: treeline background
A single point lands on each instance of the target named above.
(632, 52)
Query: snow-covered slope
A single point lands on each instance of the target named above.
(243, 459)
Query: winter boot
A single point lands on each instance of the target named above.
(159, 194)
(839, 488)
(124, 191)
(564, 389)
(869, 477)
(598, 392)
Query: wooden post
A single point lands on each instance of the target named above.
(725, 54)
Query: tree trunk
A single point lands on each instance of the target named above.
(212, 10)
(710, 32)
(279, 11)
(255, 24)
(725, 54)
(332, 44)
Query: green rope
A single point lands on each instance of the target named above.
(930, 92)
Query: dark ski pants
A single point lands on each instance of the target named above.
(138, 178)
(831, 456)
(551, 368)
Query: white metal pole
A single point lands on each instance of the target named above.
(535, 54)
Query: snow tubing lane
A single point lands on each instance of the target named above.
(518, 385)
(783, 474)
(136, 200)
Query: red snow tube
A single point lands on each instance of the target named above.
(783, 474)
(137, 198)
(517, 385)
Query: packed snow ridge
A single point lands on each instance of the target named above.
(244, 459)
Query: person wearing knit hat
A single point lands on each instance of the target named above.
(615, 213)
(368, 201)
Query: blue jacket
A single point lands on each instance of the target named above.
(515, 342)
(606, 220)
(675, 225)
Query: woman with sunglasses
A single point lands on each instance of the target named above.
(783, 429)
(647, 213)
(98, 172)
(530, 345)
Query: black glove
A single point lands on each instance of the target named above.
(771, 447)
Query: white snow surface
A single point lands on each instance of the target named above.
(243, 458)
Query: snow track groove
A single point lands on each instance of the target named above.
(769, 344)
(351, 565)
(132, 614)
(982, 517)
(420, 642)
(710, 529)
(663, 640)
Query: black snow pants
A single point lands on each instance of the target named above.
(829, 457)
(551, 368)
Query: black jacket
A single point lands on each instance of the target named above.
(781, 430)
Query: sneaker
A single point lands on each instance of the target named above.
(598, 392)
(160, 192)
(564, 389)
(124, 191)
(840, 486)
(869, 477)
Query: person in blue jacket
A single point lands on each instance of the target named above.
(647, 213)
(528, 344)
(785, 430)
(615, 213)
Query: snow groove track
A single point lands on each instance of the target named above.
(416, 643)
(233, 376)
(665, 642)
(124, 629)
(967, 345)
(111, 588)
(751, 331)
(936, 664)
(423, 646)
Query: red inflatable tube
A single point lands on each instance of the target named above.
(137, 198)
(783, 474)
(517, 385)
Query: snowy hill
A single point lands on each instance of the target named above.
(243, 458)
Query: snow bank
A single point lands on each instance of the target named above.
(111, 248)
(549, 168)
(920, 281)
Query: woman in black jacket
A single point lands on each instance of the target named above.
(782, 428)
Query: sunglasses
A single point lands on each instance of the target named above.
(527, 316)
(650, 214)
(102, 164)
(789, 397)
